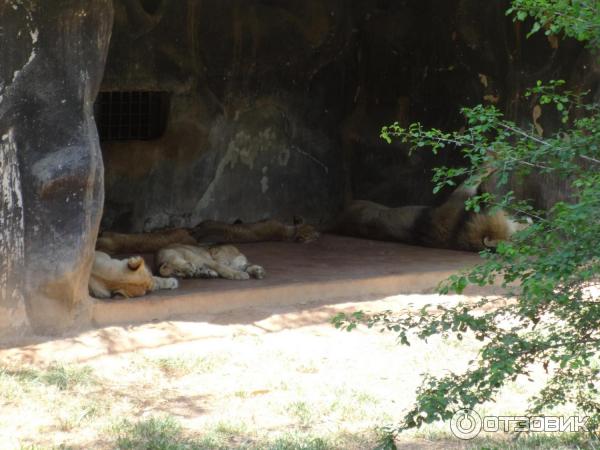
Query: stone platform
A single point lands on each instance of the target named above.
(333, 269)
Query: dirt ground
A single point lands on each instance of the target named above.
(281, 377)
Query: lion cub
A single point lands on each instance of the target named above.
(127, 277)
(191, 261)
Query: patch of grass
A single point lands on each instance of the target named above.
(175, 366)
(242, 394)
(439, 432)
(75, 415)
(302, 412)
(11, 388)
(230, 428)
(226, 435)
(22, 377)
(309, 367)
(164, 433)
(67, 377)
(37, 447)
(61, 376)
(300, 442)
(156, 433)
(541, 441)
(352, 405)
(181, 366)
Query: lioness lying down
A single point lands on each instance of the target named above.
(128, 277)
(448, 226)
(192, 261)
(207, 231)
(265, 230)
(121, 243)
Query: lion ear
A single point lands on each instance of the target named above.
(165, 270)
(490, 243)
(135, 262)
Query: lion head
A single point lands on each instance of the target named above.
(128, 277)
(486, 231)
(136, 280)
(303, 232)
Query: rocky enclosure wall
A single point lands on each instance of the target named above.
(276, 106)
(51, 64)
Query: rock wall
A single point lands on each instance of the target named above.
(249, 135)
(276, 107)
(51, 64)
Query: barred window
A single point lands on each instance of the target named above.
(131, 115)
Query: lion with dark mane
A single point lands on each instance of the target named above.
(448, 226)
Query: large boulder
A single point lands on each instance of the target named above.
(51, 65)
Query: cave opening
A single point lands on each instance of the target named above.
(273, 110)
(246, 111)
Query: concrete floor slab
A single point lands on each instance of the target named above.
(332, 269)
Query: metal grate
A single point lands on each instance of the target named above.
(133, 115)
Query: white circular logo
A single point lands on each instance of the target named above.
(465, 424)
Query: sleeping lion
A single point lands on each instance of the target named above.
(448, 226)
(128, 277)
(122, 243)
(192, 261)
(265, 230)
(207, 231)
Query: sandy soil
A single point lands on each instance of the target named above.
(244, 377)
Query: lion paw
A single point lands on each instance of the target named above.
(205, 272)
(165, 283)
(171, 283)
(257, 272)
(240, 276)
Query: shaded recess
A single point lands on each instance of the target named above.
(273, 109)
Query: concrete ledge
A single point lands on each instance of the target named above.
(334, 269)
